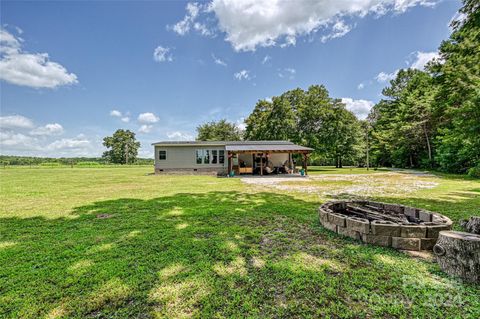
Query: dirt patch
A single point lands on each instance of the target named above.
(350, 185)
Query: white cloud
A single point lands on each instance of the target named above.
(458, 18)
(249, 24)
(15, 121)
(385, 77)
(145, 128)
(266, 59)
(19, 136)
(422, 58)
(162, 54)
(240, 124)
(48, 130)
(125, 118)
(242, 75)
(79, 142)
(203, 29)
(185, 25)
(360, 108)
(29, 69)
(148, 118)
(361, 86)
(218, 61)
(180, 136)
(287, 72)
(338, 29)
(14, 140)
(115, 113)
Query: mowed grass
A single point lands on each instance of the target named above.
(120, 243)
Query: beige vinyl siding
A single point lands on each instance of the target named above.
(184, 157)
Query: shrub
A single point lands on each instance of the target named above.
(51, 164)
(88, 164)
(474, 171)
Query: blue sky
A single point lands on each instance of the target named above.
(72, 73)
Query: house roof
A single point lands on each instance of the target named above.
(268, 147)
(222, 143)
(245, 146)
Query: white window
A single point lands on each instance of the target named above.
(206, 156)
(199, 156)
(221, 156)
(210, 156)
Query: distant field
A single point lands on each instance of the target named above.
(119, 242)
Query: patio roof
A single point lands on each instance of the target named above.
(290, 147)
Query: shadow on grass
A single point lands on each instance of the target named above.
(227, 254)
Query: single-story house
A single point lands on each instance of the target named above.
(222, 157)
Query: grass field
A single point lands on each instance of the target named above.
(119, 242)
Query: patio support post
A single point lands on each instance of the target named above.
(290, 161)
(305, 158)
(261, 164)
(229, 157)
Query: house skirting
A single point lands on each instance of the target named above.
(190, 171)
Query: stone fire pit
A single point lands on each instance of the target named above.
(383, 224)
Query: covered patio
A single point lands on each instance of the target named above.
(266, 159)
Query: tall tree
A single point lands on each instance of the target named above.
(457, 104)
(403, 122)
(123, 147)
(309, 117)
(221, 130)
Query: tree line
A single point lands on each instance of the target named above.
(426, 119)
(76, 161)
(431, 118)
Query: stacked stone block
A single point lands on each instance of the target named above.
(406, 236)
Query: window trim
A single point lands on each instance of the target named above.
(201, 153)
(159, 157)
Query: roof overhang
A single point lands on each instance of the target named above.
(287, 148)
(244, 146)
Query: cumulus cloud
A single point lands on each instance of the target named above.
(360, 108)
(162, 54)
(115, 113)
(15, 121)
(418, 60)
(29, 69)
(123, 117)
(48, 130)
(21, 137)
(240, 124)
(16, 141)
(218, 61)
(145, 128)
(148, 118)
(242, 75)
(179, 136)
(79, 142)
(422, 58)
(248, 24)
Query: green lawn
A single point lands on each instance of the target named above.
(198, 246)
